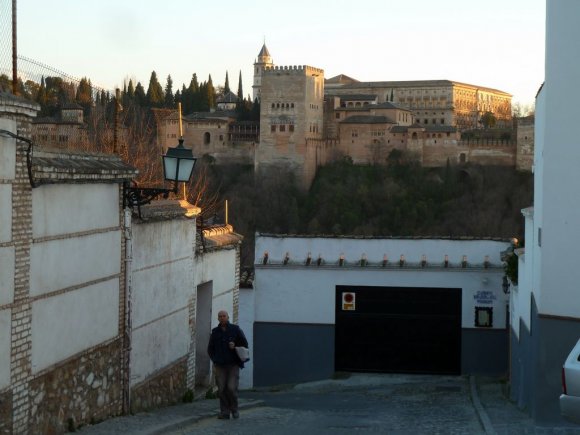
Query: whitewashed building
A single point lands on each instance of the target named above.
(323, 305)
(101, 312)
(545, 321)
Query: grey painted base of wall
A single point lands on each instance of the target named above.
(536, 365)
(290, 353)
(484, 352)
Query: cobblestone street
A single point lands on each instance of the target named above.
(360, 403)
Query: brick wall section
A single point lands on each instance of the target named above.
(192, 308)
(124, 307)
(163, 388)
(20, 354)
(236, 310)
(191, 355)
(84, 389)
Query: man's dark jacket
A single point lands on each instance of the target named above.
(218, 347)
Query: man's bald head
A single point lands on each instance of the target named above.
(223, 317)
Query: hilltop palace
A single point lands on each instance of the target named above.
(307, 121)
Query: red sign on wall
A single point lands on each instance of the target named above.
(348, 301)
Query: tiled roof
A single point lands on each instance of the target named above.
(71, 106)
(418, 83)
(340, 79)
(247, 278)
(264, 51)
(342, 236)
(230, 97)
(358, 97)
(388, 105)
(219, 237)
(427, 128)
(57, 166)
(367, 119)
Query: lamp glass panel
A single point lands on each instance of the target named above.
(170, 168)
(185, 168)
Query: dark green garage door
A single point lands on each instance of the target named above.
(398, 329)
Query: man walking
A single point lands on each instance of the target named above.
(221, 349)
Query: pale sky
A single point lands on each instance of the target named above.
(493, 43)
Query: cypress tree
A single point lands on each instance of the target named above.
(169, 98)
(140, 96)
(155, 96)
(227, 84)
(41, 97)
(240, 92)
(131, 89)
(84, 94)
(210, 93)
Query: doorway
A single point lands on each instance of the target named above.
(203, 330)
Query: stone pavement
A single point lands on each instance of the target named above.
(496, 414)
(162, 420)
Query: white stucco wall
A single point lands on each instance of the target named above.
(162, 288)
(155, 243)
(66, 324)
(159, 344)
(560, 274)
(218, 267)
(331, 248)
(7, 150)
(5, 212)
(5, 330)
(520, 296)
(6, 275)
(299, 295)
(61, 263)
(65, 208)
(296, 294)
(246, 322)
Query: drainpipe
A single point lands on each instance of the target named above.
(128, 234)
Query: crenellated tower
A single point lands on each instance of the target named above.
(264, 61)
(291, 116)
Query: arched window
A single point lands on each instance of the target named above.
(462, 158)
(206, 138)
(414, 136)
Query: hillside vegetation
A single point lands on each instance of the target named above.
(400, 199)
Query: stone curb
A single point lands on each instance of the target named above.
(180, 423)
(479, 409)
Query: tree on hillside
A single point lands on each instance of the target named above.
(131, 89)
(206, 96)
(210, 93)
(169, 98)
(227, 84)
(155, 96)
(140, 96)
(240, 91)
(84, 95)
(488, 120)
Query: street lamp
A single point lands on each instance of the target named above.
(178, 163)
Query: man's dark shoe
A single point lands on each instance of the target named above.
(236, 414)
(224, 416)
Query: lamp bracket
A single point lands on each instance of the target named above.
(138, 196)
